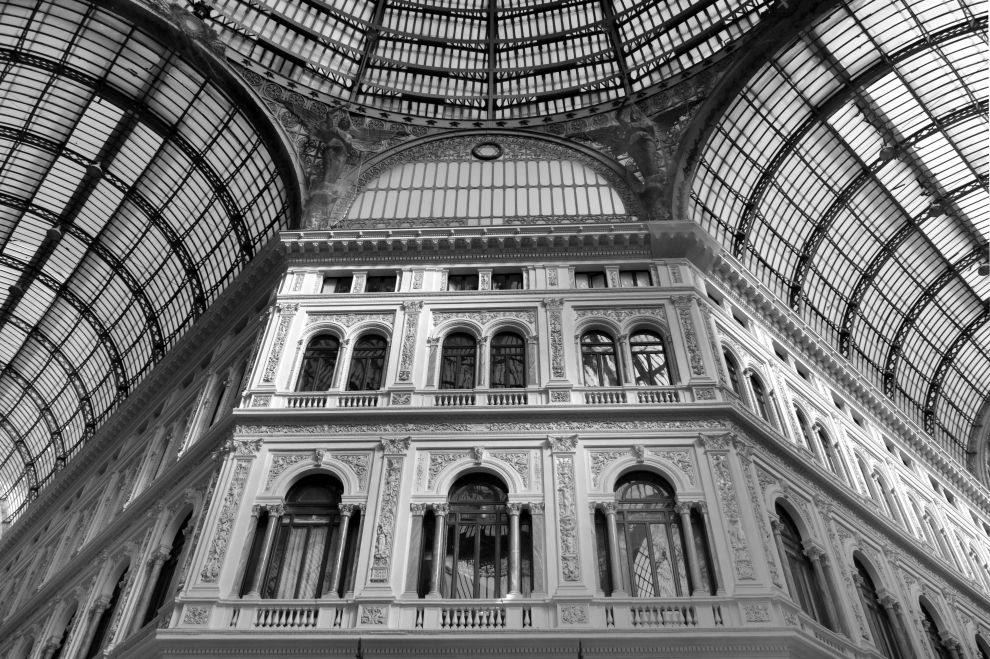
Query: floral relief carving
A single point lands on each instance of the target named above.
(573, 614)
(412, 309)
(281, 462)
(395, 445)
(704, 393)
(681, 459)
(600, 460)
(562, 443)
(359, 463)
(401, 398)
(620, 315)
(712, 344)
(284, 322)
(769, 550)
(560, 396)
(196, 615)
(683, 306)
(225, 523)
(417, 280)
(372, 615)
(297, 282)
(556, 323)
(349, 319)
(567, 516)
(484, 318)
(552, 277)
(733, 519)
(756, 613)
(493, 426)
(675, 274)
(385, 528)
(439, 462)
(261, 400)
(518, 460)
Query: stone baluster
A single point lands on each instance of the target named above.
(694, 566)
(440, 512)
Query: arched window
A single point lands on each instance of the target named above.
(319, 364)
(827, 452)
(804, 426)
(457, 361)
(653, 546)
(508, 361)
(598, 360)
(881, 626)
(476, 559)
(649, 359)
(163, 584)
(103, 624)
(810, 593)
(733, 368)
(368, 364)
(871, 490)
(310, 554)
(933, 633)
(760, 398)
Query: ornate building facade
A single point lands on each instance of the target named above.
(475, 390)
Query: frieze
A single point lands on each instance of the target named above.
(567, 516)
(484, 318)
(536, 426)
(730, 507)
(225, 523)
(350, 319)
(620, 315)
(385, 528)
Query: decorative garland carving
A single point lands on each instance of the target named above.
(385, 528)
(225, 523)
(349, 319)
(730, 506)
(567, 516)
(284, 322)
(484, 318)
(412, 309)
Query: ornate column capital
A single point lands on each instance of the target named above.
(682, 508)
(608, 507)
(536, 508)
(347, 509)
(888, 601)
(275, 509)
(418, 509)
(99, 606)
(514, 508)
(814, 551)
(441, 509)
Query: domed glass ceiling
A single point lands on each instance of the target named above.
(468, 60)
(132, 191)
(849, 174)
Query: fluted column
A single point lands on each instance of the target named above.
(896, 615)
(95, 611)
(817, 556)
(694, 566)
(440, 511)
(274, 517)
(614, 565)
(515, 555)
(155, 564)
(346, 510)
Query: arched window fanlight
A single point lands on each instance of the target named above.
(368, 364)
(508, 358)
(649, 359)
(598, 360)
(457, 362)
(733, 370)
(657, 550)
(319, 364)
(881, 626)
(810, 593)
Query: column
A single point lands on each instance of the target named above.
(346, 510)
(615, 570)
(532, 370)
(515, 555)
(694, 567)
(953, 645)
(440, 511)
(896, 615)
(625, 357)
(155, 563)
(95, 611)
(48, 649)
(782, 553)
(418, 510)
(817, 556)
(246, 552)
(536, 513)
(274, 517)
(482, 379)
(716, 571)
(433, 344)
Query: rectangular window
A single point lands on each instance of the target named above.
(336, 285)
(462, 282)
(380, 284)
(507, 281)
(634, 278)
(590, 279)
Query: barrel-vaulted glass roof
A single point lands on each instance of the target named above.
(849, 174)
(132, 190)
(468, 60)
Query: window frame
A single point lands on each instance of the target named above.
(586, 350)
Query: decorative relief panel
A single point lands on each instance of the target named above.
(385, 529)
(552, 277)
(412, 309)
(769, 550)
(297, 282)
(225, 523)
(350, 319)
(281, 462)
(556, 322)
(683, 306)
(682, 459)
(438, 462)
(196, 615)
(622, 314)
(417, 280)
(483, 318)
(519, 461)
(493, 426)
(567, 516)
(359, 463)
(733, 519)
(284, 322)
(600, 460)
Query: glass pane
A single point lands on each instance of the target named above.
(640, 562)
